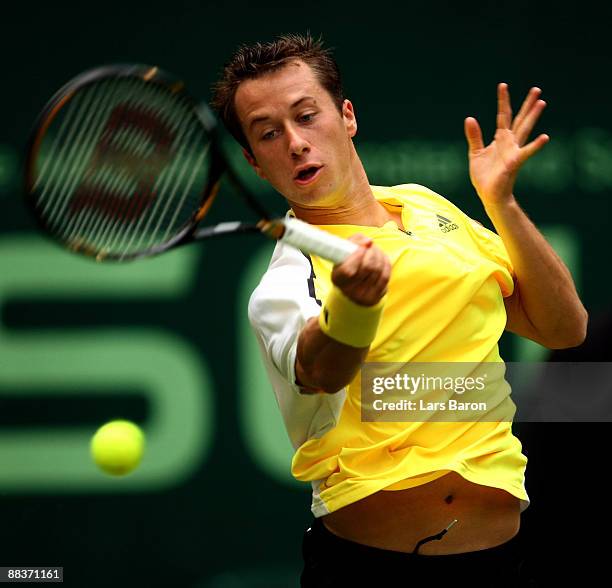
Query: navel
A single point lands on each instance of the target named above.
(448, 499)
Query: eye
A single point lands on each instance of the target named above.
(308, 117)
(269, 135)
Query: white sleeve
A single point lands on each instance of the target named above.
(281, 305)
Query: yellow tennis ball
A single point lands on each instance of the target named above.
(117, 447)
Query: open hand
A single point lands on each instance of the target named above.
(493, 168)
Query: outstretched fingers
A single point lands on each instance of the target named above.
(504, 110)
(524, 122)
(522, 128)
(473, 134)
(527, 105)
(532, 148)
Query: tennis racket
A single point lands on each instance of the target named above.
(124, 164)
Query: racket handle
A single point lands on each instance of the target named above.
(311, 240)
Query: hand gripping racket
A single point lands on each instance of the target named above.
(124, 164)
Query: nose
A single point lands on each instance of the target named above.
(298, 145)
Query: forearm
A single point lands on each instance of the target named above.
(547, 292)
(324, 364)
(332, 346)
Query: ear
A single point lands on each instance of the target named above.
(348, 115)
(253, 163)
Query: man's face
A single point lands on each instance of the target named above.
(301, 143)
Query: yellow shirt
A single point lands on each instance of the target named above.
(444, 304)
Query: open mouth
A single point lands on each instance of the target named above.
(307, 175)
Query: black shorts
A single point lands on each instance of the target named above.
(330, 560)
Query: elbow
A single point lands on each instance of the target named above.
(331, 390)
(315, 378)
(574, 333)
(332, 380)
(331, 384)
(566, 343)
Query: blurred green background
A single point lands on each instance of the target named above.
(165, 342)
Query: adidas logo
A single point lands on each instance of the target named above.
(446, 224)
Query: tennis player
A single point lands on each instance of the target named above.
(433, 500)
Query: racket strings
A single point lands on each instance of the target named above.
(87, 178)
(65, 159)
(147, 235)
(113, 230)
(122, 167)
(191, 139)
(74, 159)
(119, 207)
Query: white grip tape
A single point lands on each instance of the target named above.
(311, 240)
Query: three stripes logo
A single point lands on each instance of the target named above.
(446, 224)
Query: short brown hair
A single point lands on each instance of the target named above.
(253, 61)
